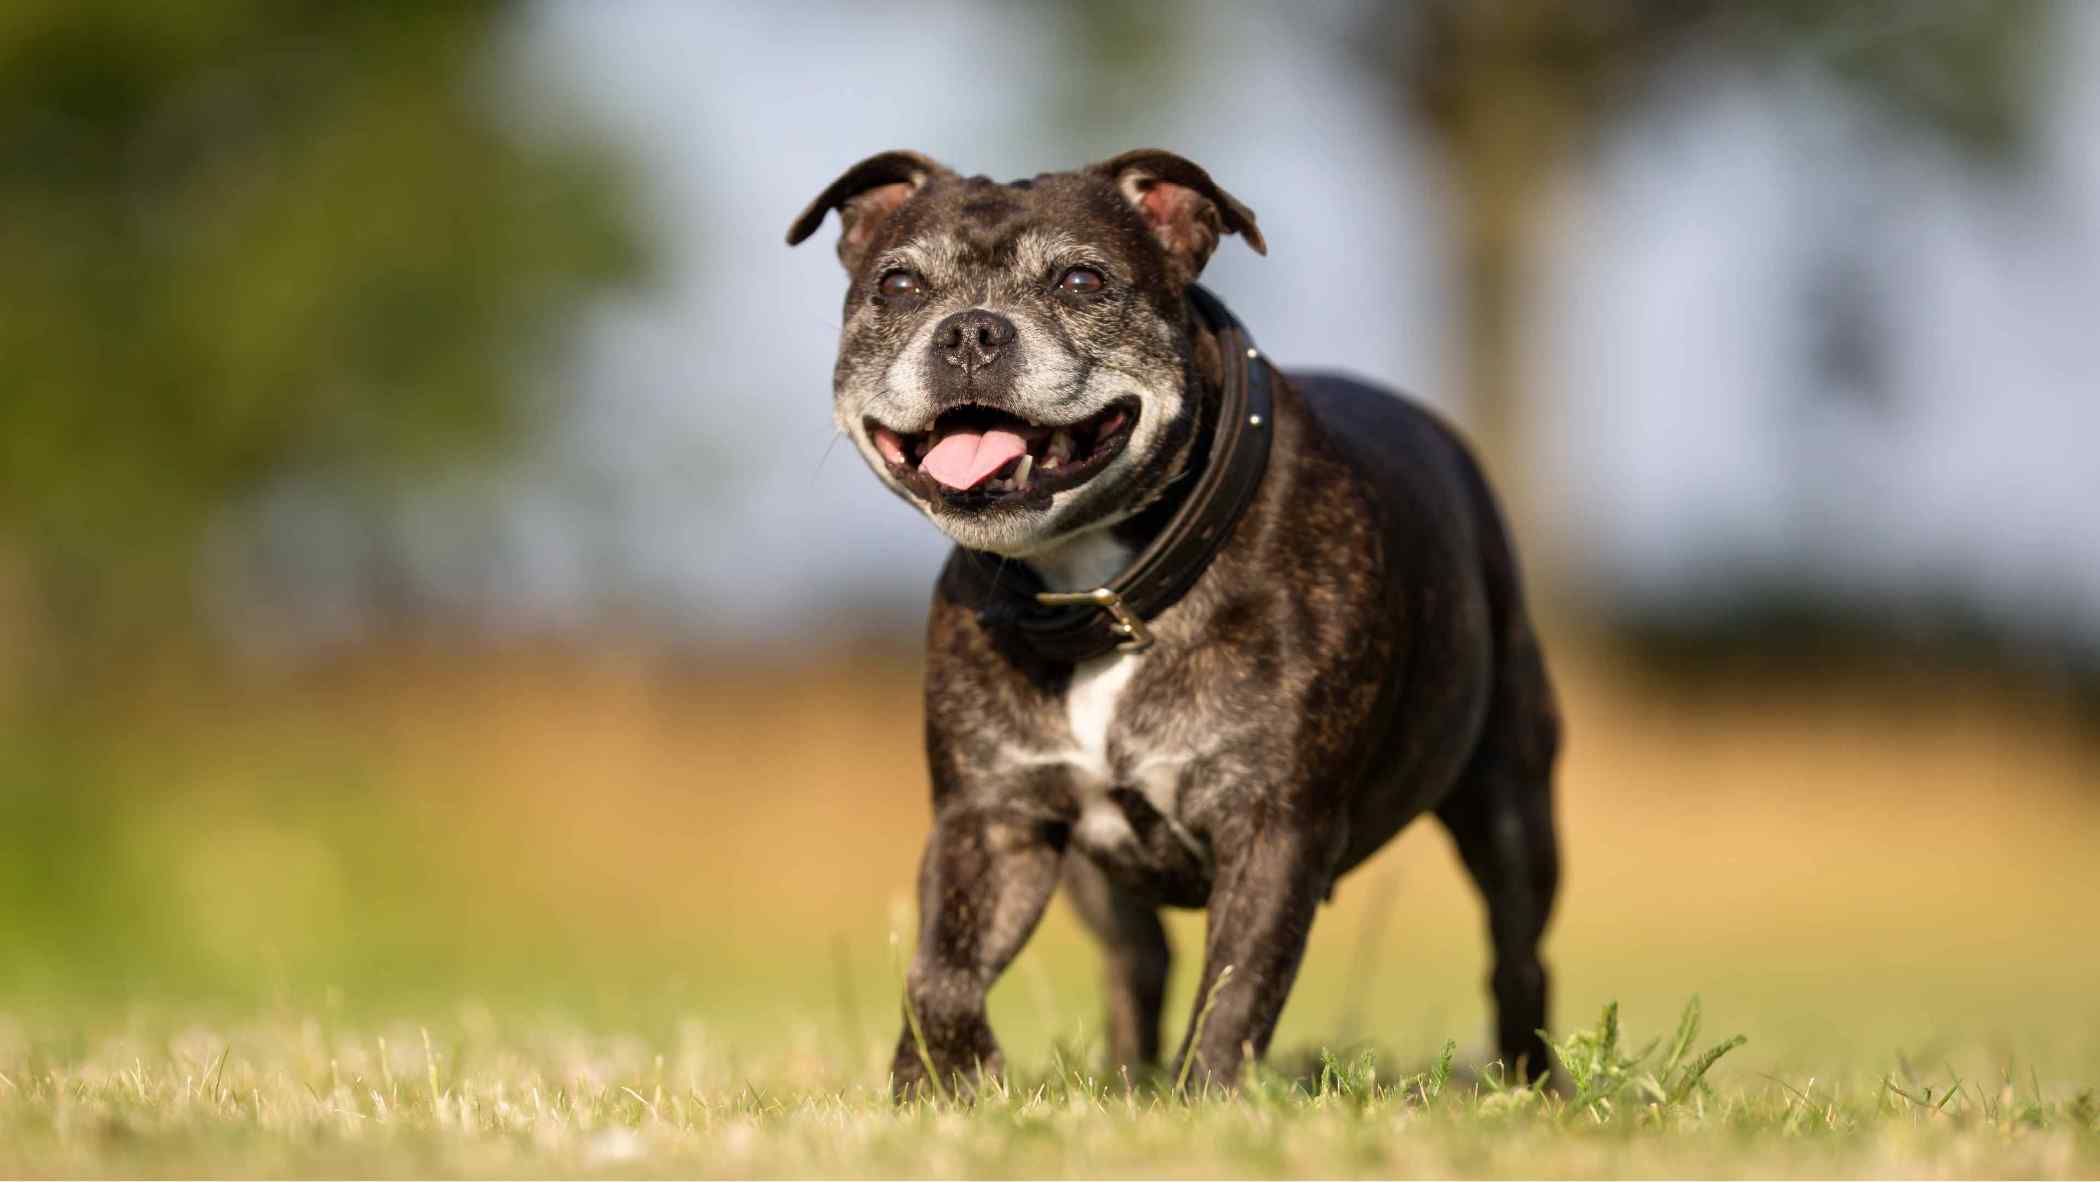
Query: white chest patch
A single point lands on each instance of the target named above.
(1090, 710)
(1091, 706)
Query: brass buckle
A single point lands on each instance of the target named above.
(1126, 621)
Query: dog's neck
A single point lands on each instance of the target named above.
(1095, 556)
(1084, 562)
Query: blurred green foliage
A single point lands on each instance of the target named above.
(242, 240)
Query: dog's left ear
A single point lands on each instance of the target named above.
(865, 197)
(1181, 205)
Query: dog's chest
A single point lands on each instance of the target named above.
(1113, 745)
(1091, 702)
(1117, 740)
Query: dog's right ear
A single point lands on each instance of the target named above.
(865, 197)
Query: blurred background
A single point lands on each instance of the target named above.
(428, 579)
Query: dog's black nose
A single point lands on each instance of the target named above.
(972, 340)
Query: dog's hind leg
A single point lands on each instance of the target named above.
(1501, 817)
(1134, 945)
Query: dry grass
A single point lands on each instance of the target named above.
(677, 896)
(304, 1095)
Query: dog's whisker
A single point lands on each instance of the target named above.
(836, 435)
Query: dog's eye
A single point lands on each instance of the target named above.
(901, 285)
(1080, 281)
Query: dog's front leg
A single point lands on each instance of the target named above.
(1261, 911)
(983, 883)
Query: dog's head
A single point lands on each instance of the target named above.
(1019, 360)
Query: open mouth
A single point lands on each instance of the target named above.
(976, 457)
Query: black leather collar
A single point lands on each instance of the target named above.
(1073, 626)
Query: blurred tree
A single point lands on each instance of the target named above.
(243, 239)
(1514, 92)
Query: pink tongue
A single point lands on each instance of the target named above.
(966, 459)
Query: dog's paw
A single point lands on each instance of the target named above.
(958, 1082)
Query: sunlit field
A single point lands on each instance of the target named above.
(540, 913)
(459, 688)
(301, 1094)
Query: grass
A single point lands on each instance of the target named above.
(641, 916)
(301, 1094)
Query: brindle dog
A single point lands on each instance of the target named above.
(1025, 364)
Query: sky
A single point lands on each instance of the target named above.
(1698, 438)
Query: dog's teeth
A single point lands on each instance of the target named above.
(1061, 445)
(1021, 473)
(1050, 463)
